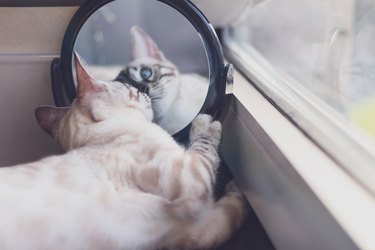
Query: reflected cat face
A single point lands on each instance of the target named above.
(150, 72)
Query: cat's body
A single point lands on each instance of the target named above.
(123, 184)
(176, 98)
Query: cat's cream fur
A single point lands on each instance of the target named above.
(123, 184)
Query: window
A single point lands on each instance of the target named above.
(315, 61)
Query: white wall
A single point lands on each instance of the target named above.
(29, 39)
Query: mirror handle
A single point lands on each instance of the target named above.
(225, 91)
(57, 84)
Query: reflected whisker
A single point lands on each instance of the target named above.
(156, 98)
(146, 89)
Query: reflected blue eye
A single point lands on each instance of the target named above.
(146, 73)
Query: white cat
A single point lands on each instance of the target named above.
(123, 184)
(176, 98)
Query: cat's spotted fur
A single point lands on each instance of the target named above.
(123, 184)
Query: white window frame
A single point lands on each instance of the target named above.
(289, 152)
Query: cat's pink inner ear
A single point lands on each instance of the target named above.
(48, 117)
(143, 46)
(85, 83)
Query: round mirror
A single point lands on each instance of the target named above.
(166, 49)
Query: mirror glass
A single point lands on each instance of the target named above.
(153, 47)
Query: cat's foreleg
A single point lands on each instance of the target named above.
(199, 166)
(204, 138)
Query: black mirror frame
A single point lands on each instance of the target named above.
(62, 73)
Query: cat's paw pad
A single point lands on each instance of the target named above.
(204, 126)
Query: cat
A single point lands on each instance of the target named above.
(123, 183)
(176, 98)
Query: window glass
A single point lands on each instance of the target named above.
(328, 46)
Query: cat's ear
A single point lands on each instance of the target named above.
(143, 46)
(86, 84)
(48, 117)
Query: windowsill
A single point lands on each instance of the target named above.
(302, 197)
(334, 134)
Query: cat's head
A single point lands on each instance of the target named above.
(150, 71)
(99, 110)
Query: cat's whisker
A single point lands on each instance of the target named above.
(161, 95)
(154, 98)
(146, 89)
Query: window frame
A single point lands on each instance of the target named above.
(317, 120)
(298, 192)
(335, 199)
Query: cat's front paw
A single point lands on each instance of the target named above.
(204, 128)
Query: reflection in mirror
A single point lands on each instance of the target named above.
(154, 48)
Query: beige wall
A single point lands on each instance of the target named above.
(29, 39)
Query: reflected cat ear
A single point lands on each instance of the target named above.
(86, 84)
(143, 46)
(48, 117)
